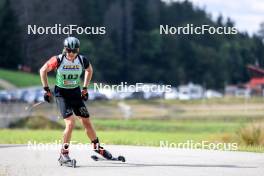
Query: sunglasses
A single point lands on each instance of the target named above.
(71, 50)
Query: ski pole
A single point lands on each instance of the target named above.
(29, 108)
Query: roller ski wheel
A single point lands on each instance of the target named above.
(68, 163)
(119, 158)
(73, 163)
(95, 158)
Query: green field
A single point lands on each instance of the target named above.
(109, 137)
(139, 132)
(22, 79)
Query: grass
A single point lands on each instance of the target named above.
(138, 132)
(19, 136)
(121, 137)
(36, 122)
(25, 79)
(253, 134)
(188, 126)
(167, 126)
(214, 101)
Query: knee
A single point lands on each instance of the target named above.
(86, 122)
(70, 125)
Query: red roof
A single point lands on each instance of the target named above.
(255, 82)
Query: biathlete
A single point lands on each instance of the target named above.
(69, 67)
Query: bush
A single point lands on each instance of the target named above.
(252, 134)
(36, 122)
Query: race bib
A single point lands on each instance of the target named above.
(69, 82)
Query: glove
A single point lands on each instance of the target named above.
(85, 94)
(47, 94)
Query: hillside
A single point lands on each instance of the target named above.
(22, 79)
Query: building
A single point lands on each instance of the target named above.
(256, 82)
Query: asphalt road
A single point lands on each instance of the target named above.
(151, 161)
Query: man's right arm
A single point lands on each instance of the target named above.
(50, 65)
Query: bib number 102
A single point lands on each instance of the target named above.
(70, 76)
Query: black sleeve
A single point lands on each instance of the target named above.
(86, 62)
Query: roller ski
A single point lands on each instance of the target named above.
(119, 158)
(65, 160)
(104, 154)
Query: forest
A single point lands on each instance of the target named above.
(132, 48)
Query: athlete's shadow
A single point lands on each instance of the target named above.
(114, 164)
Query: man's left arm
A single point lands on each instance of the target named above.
(88, 76)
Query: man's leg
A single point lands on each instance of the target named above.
(89, 129)
(67, 114)
(90, 132)
(69, 125)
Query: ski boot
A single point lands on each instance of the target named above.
(65, 160)
(104, 153)
(100, 150)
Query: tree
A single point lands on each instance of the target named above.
(261, 31)
(10, 55)
(132, 49)
(108, 65)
